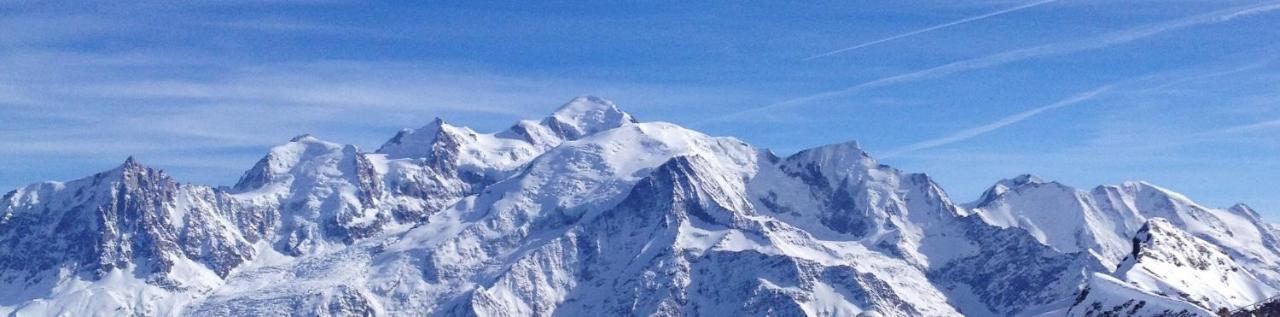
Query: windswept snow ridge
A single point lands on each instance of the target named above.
(589, 212)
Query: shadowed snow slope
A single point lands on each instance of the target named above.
(589, 212)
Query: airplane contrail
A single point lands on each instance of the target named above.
(932, 28)
(1233, 71)
(1253, 127)
(1060, 48)
(1003, 122)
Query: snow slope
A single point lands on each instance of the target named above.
(1167, 260)
(1107, 296)
(1059, 216)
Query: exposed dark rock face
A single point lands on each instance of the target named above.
(131, 217)
(1268, 308)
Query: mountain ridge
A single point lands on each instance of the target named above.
(543, 217)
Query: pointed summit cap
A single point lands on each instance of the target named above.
(304, 137)
(1244, 209)
(418, 143)
(131, 163)
(586, 115)
(129, 167)
(837, 155)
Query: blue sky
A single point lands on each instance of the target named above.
(1179, 93)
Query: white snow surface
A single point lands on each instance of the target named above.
(1171, 261)
(1109, 294)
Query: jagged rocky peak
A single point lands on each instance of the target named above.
(130, 162)
(586, 115)
(1159, 240)
(132, 175)
(423, 142)
(129, 218)
(1168, 260)
(1170, 272)
(130, 168)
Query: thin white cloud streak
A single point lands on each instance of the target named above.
(1188, 79)
(180, 111)
(932, 28)
(1245, 128)
(1003, 122)
(1097, 42)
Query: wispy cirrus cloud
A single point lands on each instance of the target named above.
(278, 25)
(1112, 140)
(1003, 122)
(231, 112)
(1209, 75)
(1006, 57)
(933, 28)
(1244, 128)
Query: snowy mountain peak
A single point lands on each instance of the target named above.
(586, 115)
(1057, 215)
(1153, 189)
(830, 167)
(308, 138)
(130, 218)
(281, 160)
(410, 143)
(839, 155)
(1005, 185)
(131, 165)
(849, 148)
(305, 137)
(1168, 260)
(1170, 272)
(1026, 181)
(128, 172)
(1141, 200)
(1244, 209)
(1151, 240)
(1023, 179)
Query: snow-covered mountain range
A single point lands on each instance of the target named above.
(590, 212)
